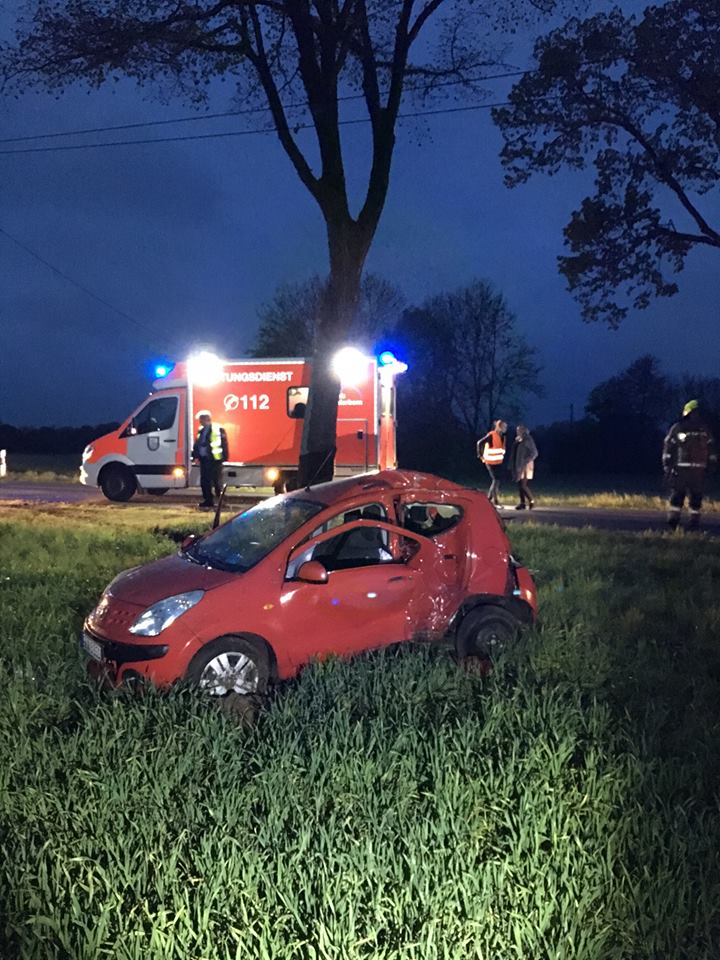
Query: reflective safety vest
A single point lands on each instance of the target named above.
(494, 450)
(215, 439)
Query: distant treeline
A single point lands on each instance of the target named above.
(59, 440)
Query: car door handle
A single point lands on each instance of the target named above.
(169, 441)
(395, 579)
(449, 556)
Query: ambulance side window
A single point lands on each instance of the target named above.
(297, 398)
(159, 414)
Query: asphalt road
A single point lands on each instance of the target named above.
(629, 520)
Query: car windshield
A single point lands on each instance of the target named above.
(246, 540)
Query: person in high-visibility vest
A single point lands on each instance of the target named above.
(688, 455)
(491, 451)
(210, 450)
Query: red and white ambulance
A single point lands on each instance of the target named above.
(261, 405)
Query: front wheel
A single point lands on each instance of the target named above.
(231, 665)
(485, 632)
(118, 483)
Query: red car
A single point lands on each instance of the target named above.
(343, 567)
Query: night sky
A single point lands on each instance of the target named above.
(189, 238)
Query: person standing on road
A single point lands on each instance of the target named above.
(522, 465)
(688, 453)
(491, 451)
(210, 450)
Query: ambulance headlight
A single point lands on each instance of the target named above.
(160, 615)
(350, 366)
(87, 454)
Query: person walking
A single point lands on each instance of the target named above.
(491, 451)
(688, 453)
(522, 465)
(210, 450)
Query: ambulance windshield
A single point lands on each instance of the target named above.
(239, 545)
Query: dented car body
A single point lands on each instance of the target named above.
(337, 569)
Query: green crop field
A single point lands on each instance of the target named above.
(394, 806)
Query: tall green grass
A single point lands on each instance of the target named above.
(389, 807)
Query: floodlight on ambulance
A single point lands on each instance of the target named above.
(350, 366)
(204, 369)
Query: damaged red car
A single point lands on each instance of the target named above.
(338, 569)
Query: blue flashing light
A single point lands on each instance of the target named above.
(387, 358)
(163, 370)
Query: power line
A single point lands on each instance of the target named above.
(73, 282)
(238, 113)
(245, 133)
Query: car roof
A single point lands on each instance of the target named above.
(385, 481)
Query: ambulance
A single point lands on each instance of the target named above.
(261, 404)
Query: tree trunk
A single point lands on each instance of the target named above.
(348, 250)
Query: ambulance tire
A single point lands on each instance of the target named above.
(117, 482)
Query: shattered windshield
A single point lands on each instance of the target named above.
(246, 540)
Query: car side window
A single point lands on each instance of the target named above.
(159, 414)
(370, 511)
(359, 547)
(431, 519)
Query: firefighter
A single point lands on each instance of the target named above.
(688, 453)
(491, 451)
(210, 451)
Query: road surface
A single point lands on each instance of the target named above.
(629, 520)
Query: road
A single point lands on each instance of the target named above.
(628, 520)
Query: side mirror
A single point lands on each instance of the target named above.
(188, 542)
(312, 571)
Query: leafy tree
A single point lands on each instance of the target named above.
(281, 52)
(641, 396)
(638, 98)
(468, 365)
(288, 322)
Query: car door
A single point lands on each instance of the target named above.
(375, 579)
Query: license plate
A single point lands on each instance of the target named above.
(92, 647)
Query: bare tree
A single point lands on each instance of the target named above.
(310, 54)
(288, 322)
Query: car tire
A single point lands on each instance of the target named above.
(157, 491)
(118, 483)
(231, 665)
(485, 632)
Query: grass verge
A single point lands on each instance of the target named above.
(390, 807)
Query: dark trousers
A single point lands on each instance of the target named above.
(494, 491)
(524, 491)
(211, 474)
(687, 482)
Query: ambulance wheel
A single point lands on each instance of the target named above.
(117, 483)
(485, 632)
(158, 491)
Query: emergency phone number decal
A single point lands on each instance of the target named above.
(251, 401)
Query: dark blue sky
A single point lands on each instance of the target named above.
(189, 238)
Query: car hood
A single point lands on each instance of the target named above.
(165, 578)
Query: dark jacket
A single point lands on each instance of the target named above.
(689, 443)
(523, 452)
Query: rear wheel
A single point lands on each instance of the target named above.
(118, 483)
(485, 632)
(231, 665)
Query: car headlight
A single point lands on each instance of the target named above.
(160, 615)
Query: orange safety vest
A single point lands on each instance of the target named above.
(494, 449)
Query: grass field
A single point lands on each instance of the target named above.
(389, 807)
(43, 468)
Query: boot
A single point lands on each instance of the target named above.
(673, 519)
(694, 521)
